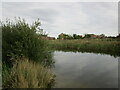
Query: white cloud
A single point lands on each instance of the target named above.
(69, 17)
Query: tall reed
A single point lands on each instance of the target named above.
(27, 74)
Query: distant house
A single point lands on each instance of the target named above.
(94, 36)
(61, 36)
(51, 38)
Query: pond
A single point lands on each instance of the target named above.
(85, 70)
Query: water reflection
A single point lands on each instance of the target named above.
(85, 70)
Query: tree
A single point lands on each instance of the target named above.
(102, 36)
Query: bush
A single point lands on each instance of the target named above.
(21, 39)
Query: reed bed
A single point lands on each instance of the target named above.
(105, 46)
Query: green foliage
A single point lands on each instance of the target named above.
(23, 40)
(88, 35)
(75, 36)
(64, 36)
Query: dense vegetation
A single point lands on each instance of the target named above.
(104, 46)
(21, 40)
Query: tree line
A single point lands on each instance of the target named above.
(88, 36)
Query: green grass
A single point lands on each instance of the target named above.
(28, 74)
(104, 46)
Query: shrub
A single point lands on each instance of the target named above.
(21, 39)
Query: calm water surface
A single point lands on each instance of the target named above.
(85, 70)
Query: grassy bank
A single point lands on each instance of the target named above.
(20, 39)
(27, 74)
(104, 46)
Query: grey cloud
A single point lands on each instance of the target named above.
(47, 15)
(80, 18)
(119, 17)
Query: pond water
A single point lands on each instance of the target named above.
(85, 70)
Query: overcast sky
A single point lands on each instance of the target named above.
(67, 17)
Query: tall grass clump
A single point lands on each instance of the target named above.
(28, 74)
(22, 39)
